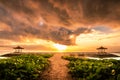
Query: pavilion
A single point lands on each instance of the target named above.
(101, 50)
(18, 49)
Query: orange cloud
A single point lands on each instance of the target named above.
(55, 20)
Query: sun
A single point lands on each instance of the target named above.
(60, 47)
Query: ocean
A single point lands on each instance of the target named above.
(90, 55)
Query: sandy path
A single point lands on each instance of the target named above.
(58, 69)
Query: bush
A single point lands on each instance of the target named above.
(70, 58)
(87, 69)
(46, 55)
(23, 67)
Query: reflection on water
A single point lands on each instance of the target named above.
(116, 58)
(3, 57)
(89, 55)
(2, 52)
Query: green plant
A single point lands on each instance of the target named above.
(88, 69)
(23, 67)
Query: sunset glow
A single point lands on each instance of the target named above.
(60, 47)
(48, 25)
(72, 36)
(66, 36)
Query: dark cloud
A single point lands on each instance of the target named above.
(82, 30)
(43, 18)
(106, 10)
(61, 35)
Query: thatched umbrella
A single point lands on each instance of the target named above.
(18, 49)
(101, 49)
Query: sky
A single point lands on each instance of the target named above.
(60, 25)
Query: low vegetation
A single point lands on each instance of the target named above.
(88, 69)
(23, 67)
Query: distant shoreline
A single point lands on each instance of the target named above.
(81, 54)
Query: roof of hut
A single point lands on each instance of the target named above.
(101, 47)
(18, 47)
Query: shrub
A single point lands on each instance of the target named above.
(88, 69)
(23, 67)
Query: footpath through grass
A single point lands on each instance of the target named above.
(88, 69)
(23, 67)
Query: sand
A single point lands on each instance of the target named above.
(58, 69)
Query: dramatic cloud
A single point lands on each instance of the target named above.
(55, 20)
